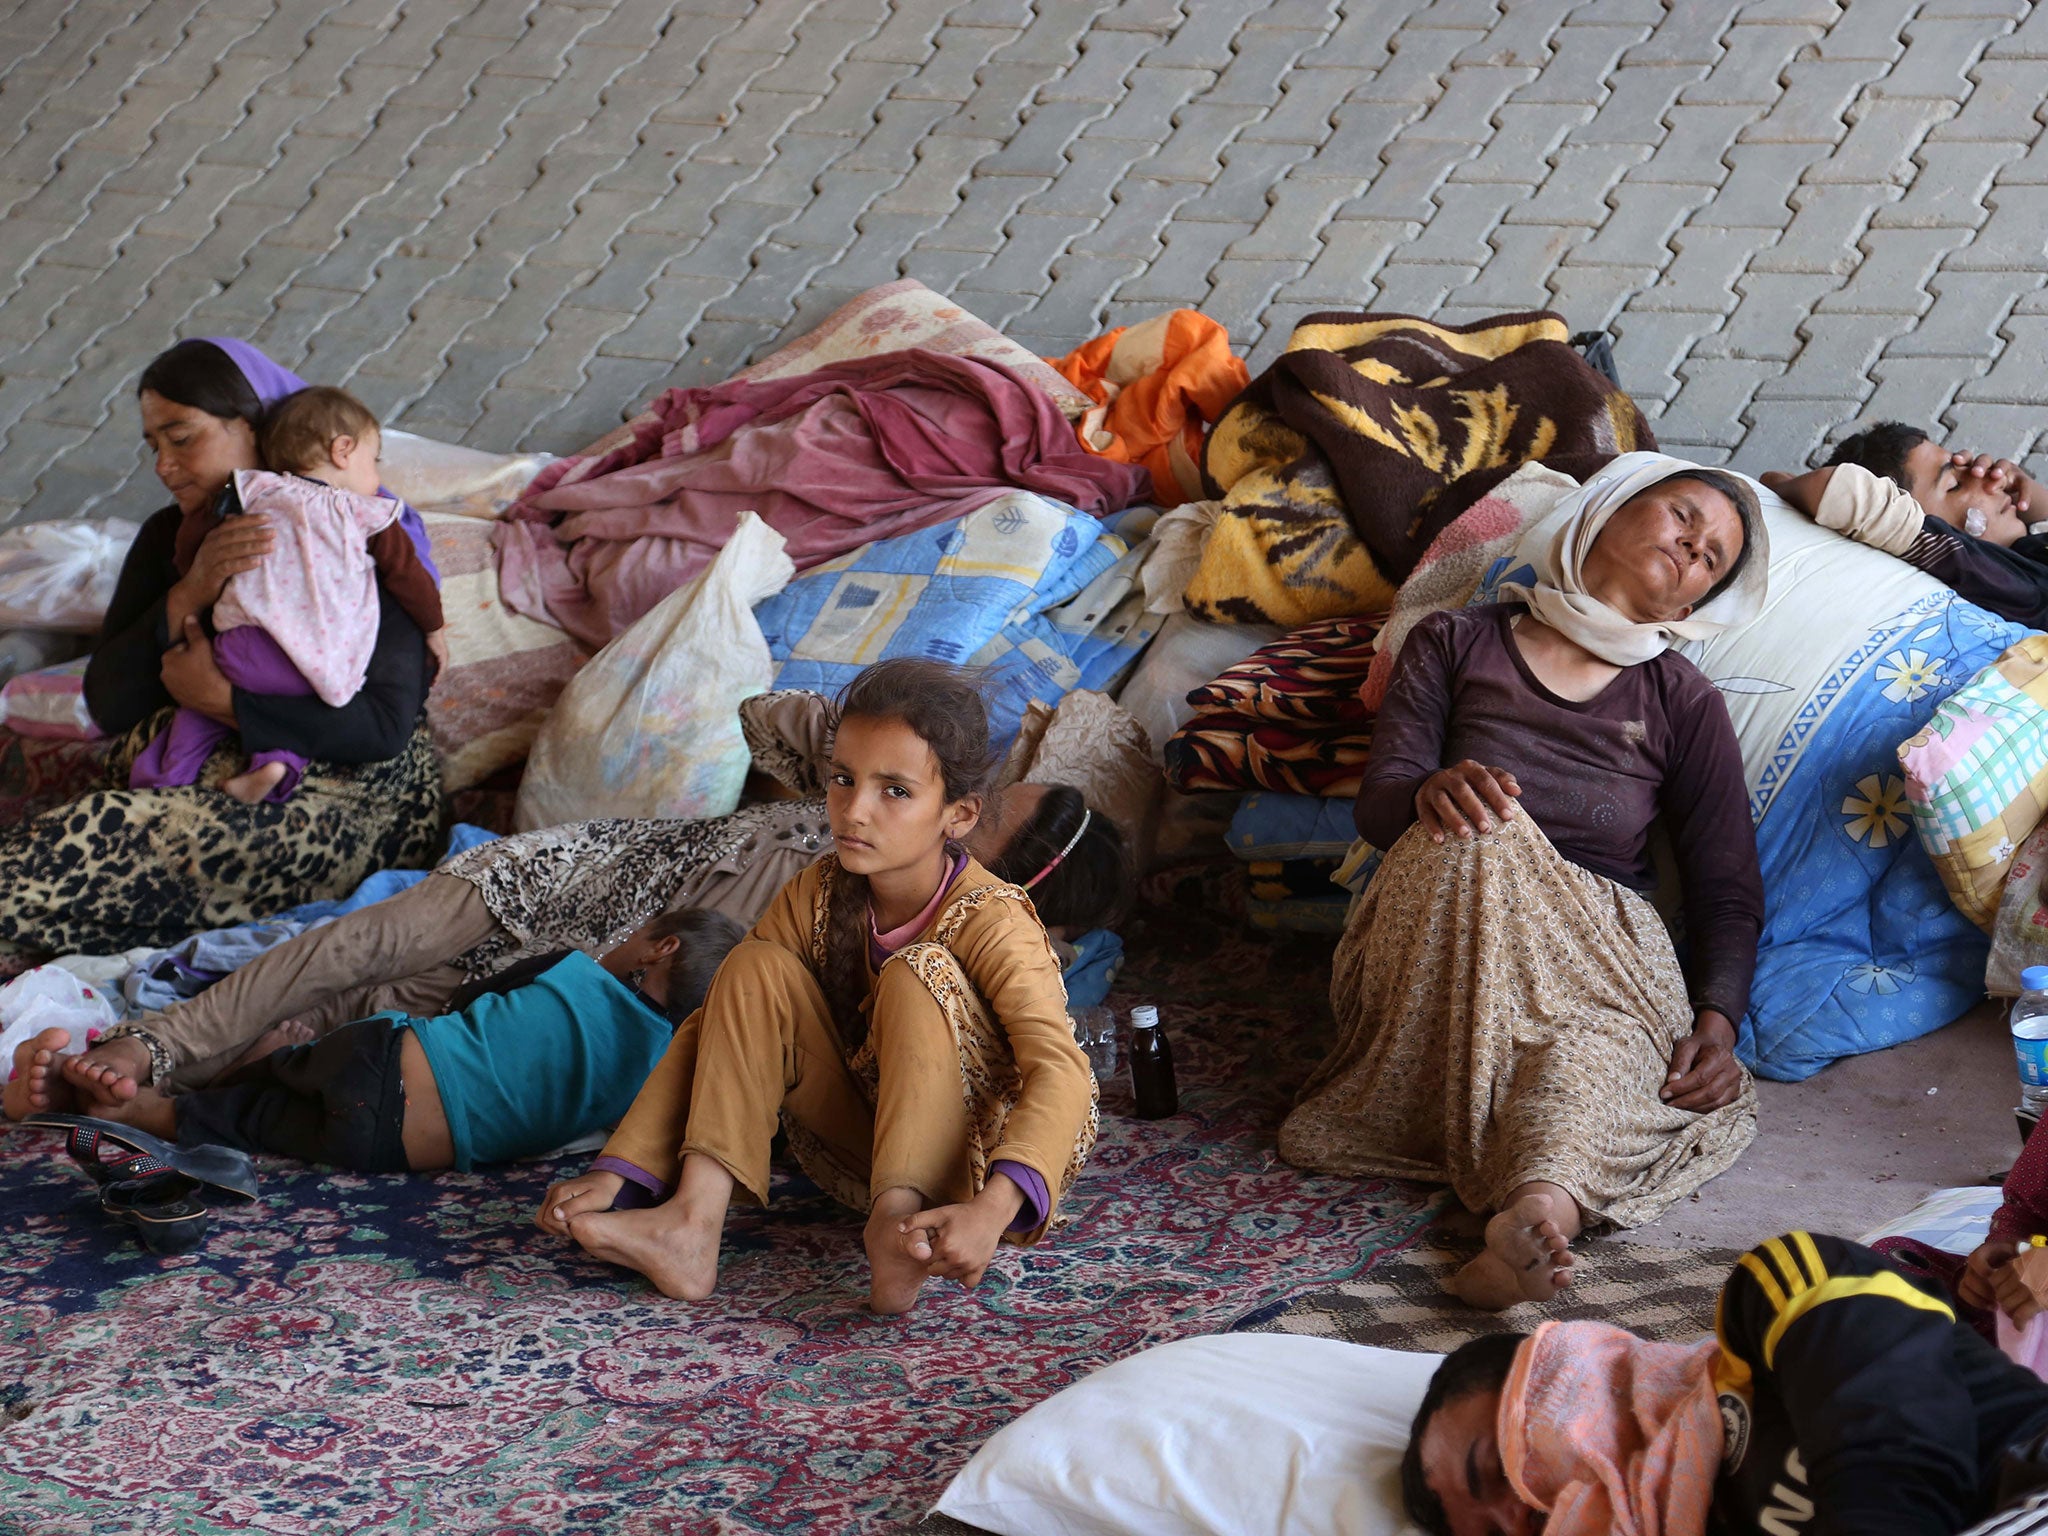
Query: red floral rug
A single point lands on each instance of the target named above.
(382, 1354)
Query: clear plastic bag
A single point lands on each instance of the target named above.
(61, 575)
(51, 996)
(650, 727)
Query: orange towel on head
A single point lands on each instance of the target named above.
(1157, 386)
(1611, 1433)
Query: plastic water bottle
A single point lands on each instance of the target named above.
(1152, 1082)
(2030, 1040)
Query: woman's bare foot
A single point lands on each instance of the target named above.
(667, 1243)
(36, 1083)
(109, 1074)
(894, 1277)
(1528, 1255)
(275, 1038)
(252, 786)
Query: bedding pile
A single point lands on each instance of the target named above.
(833, 460)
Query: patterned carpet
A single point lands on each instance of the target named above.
(380, 1354)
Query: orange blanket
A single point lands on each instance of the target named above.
(1157, 385)
(1611, 1433)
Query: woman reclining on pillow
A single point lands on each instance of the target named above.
(1512, 1016)
(1963, 520)
(581, 886)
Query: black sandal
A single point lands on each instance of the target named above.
(164, 1209)
(222, 1169)
(149, 1184)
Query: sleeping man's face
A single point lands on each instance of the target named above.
(1461, 1463)
(1948, 492)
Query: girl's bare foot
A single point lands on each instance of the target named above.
(1528, 1256)
(252, 786)
(894, 1277)
(675, 1249)
(108, 1074)
(35, 1082)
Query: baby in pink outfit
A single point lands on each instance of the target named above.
(305, 620)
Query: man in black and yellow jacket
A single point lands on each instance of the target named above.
(1850, 1403)
(1852, 1400)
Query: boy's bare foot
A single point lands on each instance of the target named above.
(1527, 1258)
(108, 1074)
(894, 1277)
(35, 1081)
(148, 1111)
(252, 786)
(275, 1038)
(666, 1243)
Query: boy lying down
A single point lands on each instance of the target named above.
(1837, 1398)
(1966, 521)
(525, 1061)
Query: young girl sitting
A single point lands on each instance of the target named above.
(545, 1051)
(883, 980)
(304, 619)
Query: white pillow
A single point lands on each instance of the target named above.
(1240, 1434)
(1953, 1220)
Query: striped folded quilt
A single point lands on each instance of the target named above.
(1288, 717)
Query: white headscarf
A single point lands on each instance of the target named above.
(1557, 546)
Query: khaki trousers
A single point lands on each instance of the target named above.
(763, 1047)
(393, 953)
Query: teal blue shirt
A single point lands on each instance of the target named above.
(523, 1072)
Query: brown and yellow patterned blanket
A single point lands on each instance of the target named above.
(1371, 432)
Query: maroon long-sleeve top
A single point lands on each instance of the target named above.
(1594, 775)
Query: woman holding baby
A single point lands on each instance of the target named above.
(205, 831)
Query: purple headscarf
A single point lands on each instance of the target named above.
(272, 382)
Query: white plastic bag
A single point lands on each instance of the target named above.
(650, 727)
(61, 575)
(50, 995)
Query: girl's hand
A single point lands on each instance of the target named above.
(577, 1197)
(957, 1241)
(238, 544)
(193, 678)
(437, 647)
(2021, 1286)
(1465, 799)
(1704, 1074)
(1973, 1287)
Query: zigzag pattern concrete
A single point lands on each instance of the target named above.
(508, 222)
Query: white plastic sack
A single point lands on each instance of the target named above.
(61, 575)
(50, 995)
(1175, 553)
(650, 727)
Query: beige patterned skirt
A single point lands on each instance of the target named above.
(1504, 1015)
